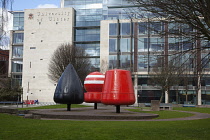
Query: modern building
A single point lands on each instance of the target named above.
(113, 36)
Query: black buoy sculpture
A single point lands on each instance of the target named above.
(69, 89)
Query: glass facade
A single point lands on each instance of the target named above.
(153, 51)
(88, 14)
(17, 48)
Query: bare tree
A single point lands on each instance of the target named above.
(191, 12)
(66, 54)
(164, 78)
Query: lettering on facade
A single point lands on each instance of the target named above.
(52, 16)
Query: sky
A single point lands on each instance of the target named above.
(20, 5)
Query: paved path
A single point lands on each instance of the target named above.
(196, 116)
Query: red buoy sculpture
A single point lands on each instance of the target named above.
(94, 84)
(118, 89)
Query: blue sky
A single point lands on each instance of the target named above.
(32, 4)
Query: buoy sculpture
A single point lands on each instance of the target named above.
(94, 84)
(69, 89)
(118, 89)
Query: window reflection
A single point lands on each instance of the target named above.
(125, 61)
(112, 45)
(18, 21)
(112, 61)
(18, 38)
(92, 49)
(113, 29)
(125, 44)
(87, 35)
(125, 29)
(17, 51)
(17, 66)
(142, 62)
(95, 63)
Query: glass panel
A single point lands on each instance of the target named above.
(17, 80)
(18, 21)
(141, 45)
(125, 44)
(95, 63)
(142, 28)
(156, 27)
(18, 38)
(125, 29)
(113, 29)
(17, 51)
(174, 44)
(87, 35)
(125, 61)
(112, 61)
(112, 45)
(92, 49)
(156, 44)
(17, 66)
(142, 62)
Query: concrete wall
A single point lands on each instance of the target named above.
(44, 31)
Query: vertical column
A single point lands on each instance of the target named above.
(165, 62)
(198, 71)
(136, 47)
(136, 87)
(148, 46)
(135, 69)
(166, 45)
(118, 44)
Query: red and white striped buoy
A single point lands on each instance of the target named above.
(94, 85)
(94, 82)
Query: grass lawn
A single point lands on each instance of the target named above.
(15, 128)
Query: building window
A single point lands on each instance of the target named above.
(95, 63)
(17, 51)
(18, 38)
(16, 80)
(17, 66)
(113, 29)
(87, 35)
(112, 61)
(156, 44)
(125, 45)
(125, 29)
(112, 45)
(143, 28)
(156, 27)
(125, 61)
(92, 49)
(142, 62)
(18, 21)
(174, 44)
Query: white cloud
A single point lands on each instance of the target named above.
(47, 6)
